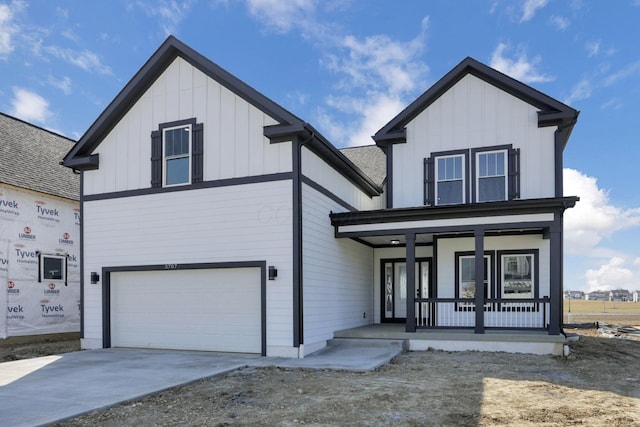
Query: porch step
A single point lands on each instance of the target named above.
(395, 344)
(354, 354)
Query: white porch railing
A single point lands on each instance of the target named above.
(435, 313)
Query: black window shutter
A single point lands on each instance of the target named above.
(156, 159)
(514, 173)
(197, 142)
(429, 182)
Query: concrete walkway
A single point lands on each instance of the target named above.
(52, 388)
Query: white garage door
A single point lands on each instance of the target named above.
(207, 309)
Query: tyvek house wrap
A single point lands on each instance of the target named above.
(30, 224)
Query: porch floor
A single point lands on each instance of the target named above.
(535, 342)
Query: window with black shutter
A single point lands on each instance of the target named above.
(483, 174)
(177, 154)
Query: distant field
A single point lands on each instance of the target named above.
(619, 313)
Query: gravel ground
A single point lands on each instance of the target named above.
(16, 349)
(598, 384)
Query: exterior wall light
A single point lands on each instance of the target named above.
(95, 277)
(273, 272)
(395, 242)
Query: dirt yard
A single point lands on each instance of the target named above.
(597, 385)
(16, 348)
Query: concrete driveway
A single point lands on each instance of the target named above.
(52, 388)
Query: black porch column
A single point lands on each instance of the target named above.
(411, 282)
(555, 265)
(479, 240)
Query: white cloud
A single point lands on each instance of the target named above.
(8, 27)
(530, 7)
(372, 114)
(592, 48)
(281, 15)
(85, 60)
(582, 90)
(378, 74)
(594, 218)
(170, 13)
(611, 275)
(628, 71)
(587, 227)
(69, 34)
(560, 22)
(613, 103)
(29, 106)
(63, 84)
(522, 68)
(62, 12)
(375, 74)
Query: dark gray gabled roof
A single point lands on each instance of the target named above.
(144, 78)
(370, 159)
(30, 158)
(552, 112)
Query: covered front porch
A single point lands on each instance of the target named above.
(523, 341)
(482, 239)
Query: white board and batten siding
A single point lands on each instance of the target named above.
(234, 144)
(338, 275)
(198, 226)
(473, 114)
(316, 169)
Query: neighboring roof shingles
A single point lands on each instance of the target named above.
(370, 159)
(30, 157)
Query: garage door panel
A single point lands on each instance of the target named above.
(208, 309)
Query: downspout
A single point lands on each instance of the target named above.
(559, 192)
(82, 259)
(298, 300)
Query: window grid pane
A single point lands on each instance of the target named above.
(467, 285)
(450, 180)
(491, 179)
(177, 170)
(491, 164)
(177, 144)
(517, 276)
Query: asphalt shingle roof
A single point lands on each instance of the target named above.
(370, 159)
(30, 157)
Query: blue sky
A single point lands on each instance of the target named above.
(348, 66)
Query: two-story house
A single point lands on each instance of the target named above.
(214, 219)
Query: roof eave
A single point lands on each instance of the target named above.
(82, 163)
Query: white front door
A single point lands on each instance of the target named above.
(394, 287)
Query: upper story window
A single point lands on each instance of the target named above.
(475, 175)
(491, 176)
(450, 180)
(177, 153)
